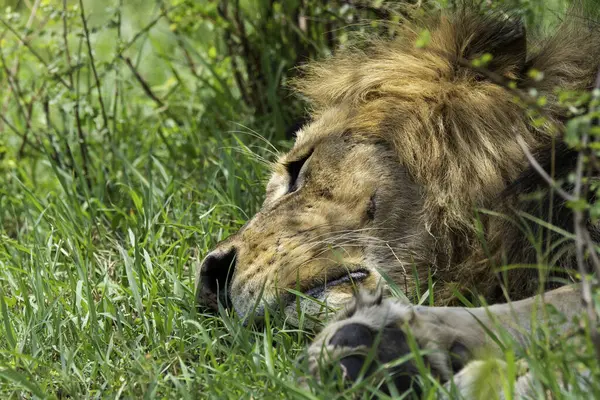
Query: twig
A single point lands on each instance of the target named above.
(32, 51)
(73, 87)
(506, 84)
(13, 84)
(549, 180)
(143, 82)
(94, 71)
(16, 131)
(138, 35)
(148, 27)
(149, 92)
(66, 43)
(28, 118)
(15, 68)
(592, 251)
(27, 114)
(116, 93)
(380, 12)
(55, 149)
(581, 242)
(71, 164)
(503, 82)
(580, 245)
(83, 148)
(223, 9)
(588, 239)
(181, 43)
(70, 72)
(583, 238)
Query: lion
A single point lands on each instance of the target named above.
(386, 183)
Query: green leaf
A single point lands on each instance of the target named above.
(212, 52)
(424, 39)
(577, 205)
(535, 74)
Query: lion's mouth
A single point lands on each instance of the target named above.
(347, 277)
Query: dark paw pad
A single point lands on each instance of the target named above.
(352, 366)
(352, 335)
(391, 344)
(459, 356)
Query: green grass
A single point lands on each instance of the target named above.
(110, 196)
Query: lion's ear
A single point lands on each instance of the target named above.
(501, 36)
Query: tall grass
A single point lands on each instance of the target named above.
(132, 140)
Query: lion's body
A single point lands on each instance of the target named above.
(404, 146)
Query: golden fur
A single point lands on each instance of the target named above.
(405, 144)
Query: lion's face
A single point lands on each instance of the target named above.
(405, 143)
(338, 207)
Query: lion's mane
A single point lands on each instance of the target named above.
(453, 126)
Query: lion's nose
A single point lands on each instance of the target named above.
(214, 278)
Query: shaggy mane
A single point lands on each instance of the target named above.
(452, 128)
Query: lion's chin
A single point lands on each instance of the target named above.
(346, 280)
(310, 312)
(312, 305)
(322, 301)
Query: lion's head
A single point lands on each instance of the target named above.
(404, 144)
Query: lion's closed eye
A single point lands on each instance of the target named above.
(296, 171)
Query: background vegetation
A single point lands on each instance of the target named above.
(134, 135)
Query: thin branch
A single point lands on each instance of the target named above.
(538, 168)
(16, 131)
(66, 43)
(25, 109)
(13, 85)
(55, 149)
(95, 72)
(70, 72)
(116, 93)
(28, 118)
(182, 46)
(223, 9)
(592, 251)
(580, 244)
(379, 12)
(25, 42)
(587, 236)
(505, 83)
(142, 81)
(83, 148)
(138, 35)
(583, 240)
(147, 28)
(16, 64)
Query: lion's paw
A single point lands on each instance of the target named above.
(373, 335)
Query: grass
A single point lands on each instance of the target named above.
(127, 152)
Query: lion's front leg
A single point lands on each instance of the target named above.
(363, 336)
(371, 332)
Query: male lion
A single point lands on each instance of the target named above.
(404, 145)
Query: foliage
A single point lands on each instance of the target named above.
(134, 136)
